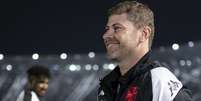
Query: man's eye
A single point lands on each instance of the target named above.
(106, 29)
(117, 28)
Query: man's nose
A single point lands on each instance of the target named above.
(107, 35)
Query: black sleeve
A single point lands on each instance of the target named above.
(184, 95)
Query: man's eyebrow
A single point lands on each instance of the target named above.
(117, 24)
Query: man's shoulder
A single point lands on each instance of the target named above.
(21, 96)
(184, 95)
(162, 73)
(165, 84)
(34, 96)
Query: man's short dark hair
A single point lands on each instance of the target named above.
(38, 70)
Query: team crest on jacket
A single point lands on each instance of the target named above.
(131, 93)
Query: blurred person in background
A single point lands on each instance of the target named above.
(37, 85)
(128, 38)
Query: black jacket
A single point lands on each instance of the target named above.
(146, 81)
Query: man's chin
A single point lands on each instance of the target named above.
(41, 93)
(112, 57)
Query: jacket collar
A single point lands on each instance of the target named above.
(136, 70)
(112, 79)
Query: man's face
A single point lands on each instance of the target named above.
(121, 37)
(40, 85)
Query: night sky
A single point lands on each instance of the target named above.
(76, 26)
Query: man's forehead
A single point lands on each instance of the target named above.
(43, 79)
(117, 19)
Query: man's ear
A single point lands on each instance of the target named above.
(146, 31)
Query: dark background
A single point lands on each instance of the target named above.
(76, 26)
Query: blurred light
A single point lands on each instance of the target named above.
(1, 56)
(35, 56)
(105, 66)
(9, 67)
(63, 56)
(111, 66)
(78, 67)
(188, 63)
(182, 62)
(175, 46)
(190, 44)
(91, 54)
(88, 67)
(195, 72)
(72, 67)
(95, 67)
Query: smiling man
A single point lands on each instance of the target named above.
(128, 39)
(38, 78)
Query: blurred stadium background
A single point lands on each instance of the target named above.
(76, 76)
(66, 36)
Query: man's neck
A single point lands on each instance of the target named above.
(126, 64)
